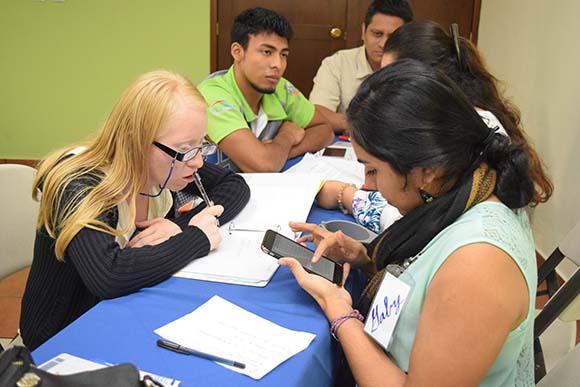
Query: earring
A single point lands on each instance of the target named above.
(426, 196)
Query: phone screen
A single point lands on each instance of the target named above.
(336, 152)
(279, 246)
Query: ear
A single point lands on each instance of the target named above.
(237, 51)
(362, 31)
(428, 176)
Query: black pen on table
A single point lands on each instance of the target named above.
(188, 351)
(197, 180)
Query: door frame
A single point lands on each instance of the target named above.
(475, 21)
(355, 16)
(213, 30)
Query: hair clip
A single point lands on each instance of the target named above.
(454, 29)
(490, 135)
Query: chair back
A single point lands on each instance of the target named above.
(565, 373)
(564, 302)
(570, 247)
(18, 217)
(572, 311)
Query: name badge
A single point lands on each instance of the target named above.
(385, 310)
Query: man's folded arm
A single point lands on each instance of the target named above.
(252, 155)
(336, 120)
(318, 134)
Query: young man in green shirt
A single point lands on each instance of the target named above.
(258, 118)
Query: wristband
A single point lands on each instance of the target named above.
(339, 320)
(339, 198)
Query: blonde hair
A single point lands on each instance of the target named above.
(118, 156)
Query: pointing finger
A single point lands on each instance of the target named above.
(299, 226)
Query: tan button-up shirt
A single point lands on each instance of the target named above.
(339, 77)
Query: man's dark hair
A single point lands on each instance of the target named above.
(258, 20)
(398, 8)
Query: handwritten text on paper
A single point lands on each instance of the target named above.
(386, 309)
(389, 309)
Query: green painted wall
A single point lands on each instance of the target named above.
(63, 64)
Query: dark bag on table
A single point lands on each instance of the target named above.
(17, 369)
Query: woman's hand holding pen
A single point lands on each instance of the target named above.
(154, 231)
(206, 221)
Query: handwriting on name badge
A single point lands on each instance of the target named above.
(381, 313)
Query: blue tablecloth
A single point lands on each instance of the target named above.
(121, 330)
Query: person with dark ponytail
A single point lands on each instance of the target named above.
(464, 245)
(460, 60)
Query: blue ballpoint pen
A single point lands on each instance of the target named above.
(188, 351)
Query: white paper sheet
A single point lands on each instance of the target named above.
(238, 259)
(223, 329)
(331, 168)
(275, 200)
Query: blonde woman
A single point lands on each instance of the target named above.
(110, 220)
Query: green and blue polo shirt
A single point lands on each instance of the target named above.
(229, 111)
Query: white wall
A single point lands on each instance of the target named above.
(533, 46)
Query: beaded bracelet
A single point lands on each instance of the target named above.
(337, 322)
(339, 197)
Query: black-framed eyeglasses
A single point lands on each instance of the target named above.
(206, 149)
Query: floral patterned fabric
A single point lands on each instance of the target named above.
(371, 210)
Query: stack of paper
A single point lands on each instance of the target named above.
(275, 200)
(223, 329)
(346, 168)
(238, 260)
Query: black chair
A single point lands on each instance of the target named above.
(564, 302)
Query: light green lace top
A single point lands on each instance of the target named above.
(496, 224)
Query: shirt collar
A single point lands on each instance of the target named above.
(363, 68)
(245, 107)
(269, 102)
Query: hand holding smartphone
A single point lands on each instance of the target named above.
(278, 246)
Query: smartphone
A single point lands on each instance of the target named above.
(278, 246)
(336, 152)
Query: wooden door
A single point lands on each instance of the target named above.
(463, 12)
(312, 21)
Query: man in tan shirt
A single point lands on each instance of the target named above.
(340, 74)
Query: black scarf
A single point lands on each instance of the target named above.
(409, 235)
